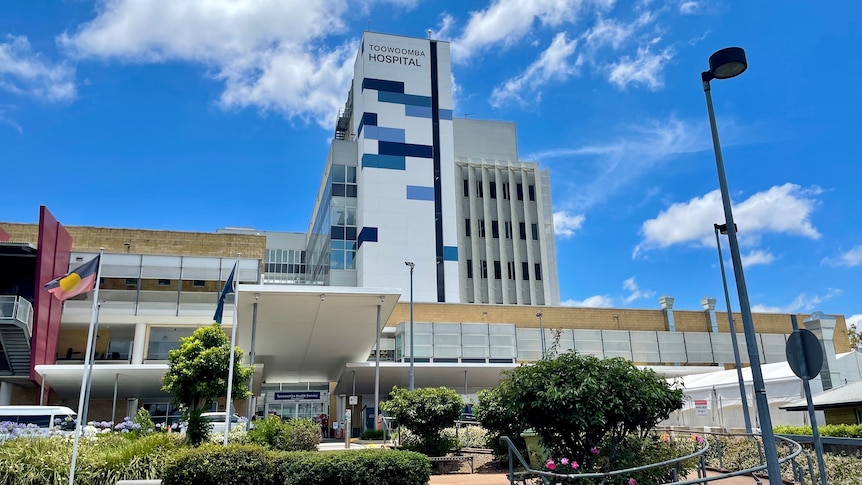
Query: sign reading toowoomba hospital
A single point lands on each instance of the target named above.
(396, 55)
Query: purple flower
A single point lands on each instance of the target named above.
(564, 461)
(550, 465)
(594, 450)
(632, 481)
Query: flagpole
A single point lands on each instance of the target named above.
(227, 403)
(85, 377)
(83, 417)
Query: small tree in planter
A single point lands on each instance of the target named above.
(579, 404)
(426, 412)
(197, 376)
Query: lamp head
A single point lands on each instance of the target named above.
(727, 63)
(539, 314)
(410, 263)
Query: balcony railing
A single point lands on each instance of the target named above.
(16, 310)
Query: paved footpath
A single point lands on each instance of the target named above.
(502, 479)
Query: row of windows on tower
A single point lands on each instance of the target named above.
(510, 268)
(495, 229)
(492, 189)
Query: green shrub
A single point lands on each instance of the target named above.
(469, 436)
(426, 412)
(356, 467)
(372, 434)
(217, 465)
(501, 419)
(293, 435)
(45, 461)
(833, 430)
(145, 421)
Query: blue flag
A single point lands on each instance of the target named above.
(228, 288)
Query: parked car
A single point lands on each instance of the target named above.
(51, 417)
(217, 420)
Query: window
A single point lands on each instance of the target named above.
(525, 271)
(520, 188)
(466, 188)
(535, 232)
(479, 190)
(131, 282)
(199, 283)
(484, 269)
(467, 227)
(508, 227)
(493, 189)
(511, 267)
(506, 190)
(481, 227)
(497, 271)
(523, 227)
(532, 190)
(164, 282)
(538, 268)
(469, 268)
(495, 229)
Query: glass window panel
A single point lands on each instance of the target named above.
(351, 191)
(338, 173)
(338, 190)
(351, 175)
(351, 216)
(336, 259)
(349, 262)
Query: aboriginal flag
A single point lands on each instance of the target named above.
(80, 280)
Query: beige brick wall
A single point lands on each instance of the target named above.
(143, 241)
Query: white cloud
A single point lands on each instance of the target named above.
(635, 291)
(854, 320)
(850, 258)
(505, 22)
(27, 73)
(614, 33)
(552, 64)
(780, 209)
(595, 301)
(6, 119)
(566, 223)
(689, 7)
(270, 54)
(802, 303)
(646, 68)
(611, 166)
(757, 256)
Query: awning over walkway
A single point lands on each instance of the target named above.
(310, 333)
(478, 376)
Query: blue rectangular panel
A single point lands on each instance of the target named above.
(367, 234)
(369, 119)
(450, 253)
(383, 85)
(370, 160)
(396, 135)
(415, 100)
(405, 149)
(417, 111)
(416, 192)
(445, 114)
(371, 132)
(389, 97)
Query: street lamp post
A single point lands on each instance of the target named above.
(725, 64)
(723, 230)
(541, 333)
(412, 358)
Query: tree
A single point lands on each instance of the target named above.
(576, 402)
(426, 412)
(854, 336)
(197, 376)
(501, 419)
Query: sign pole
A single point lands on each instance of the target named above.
(806, 376)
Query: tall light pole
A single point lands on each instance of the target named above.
(412, 358)
(722, 228)
(541, 333)
(725, 64)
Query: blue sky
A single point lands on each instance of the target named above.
(194, 115)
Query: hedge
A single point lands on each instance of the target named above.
(255, 465)
(358, 467)
(833, 430)
(212, 464)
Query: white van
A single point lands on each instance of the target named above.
(50, 417)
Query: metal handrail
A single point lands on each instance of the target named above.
(701, 453)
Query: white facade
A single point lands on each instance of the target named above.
(392, 190)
